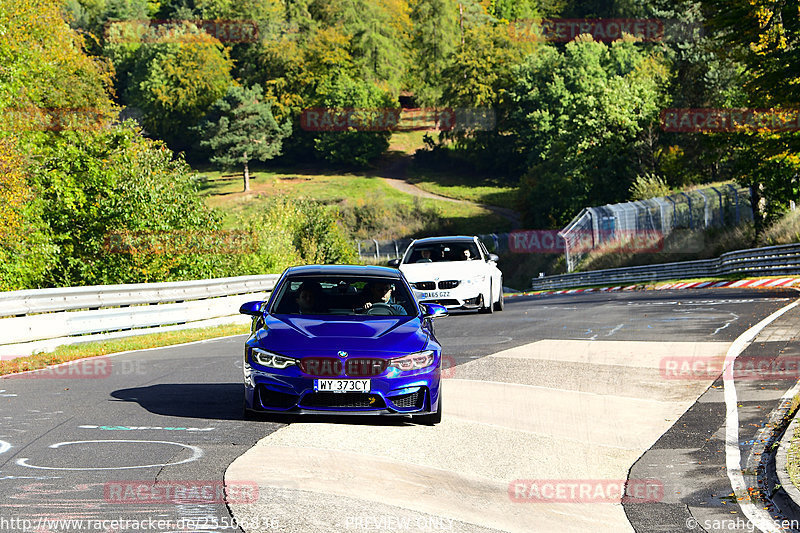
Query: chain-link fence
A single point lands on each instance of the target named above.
(382, 250)
(702, 208)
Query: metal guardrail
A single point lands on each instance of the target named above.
(41, 319)
(784, 259)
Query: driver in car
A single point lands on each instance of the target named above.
(381, 293)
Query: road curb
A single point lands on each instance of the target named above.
(781, 458)
(749, 283)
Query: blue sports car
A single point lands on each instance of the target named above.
(343, 340)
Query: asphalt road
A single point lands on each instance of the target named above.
(75, 446)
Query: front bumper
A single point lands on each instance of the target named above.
(289, 391)
(458, 298)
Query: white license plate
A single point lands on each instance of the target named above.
(342, 385)
(440, 294)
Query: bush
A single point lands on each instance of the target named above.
(95, 183)
(648, 186)
(292, 232)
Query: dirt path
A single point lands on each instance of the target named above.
(395, 174)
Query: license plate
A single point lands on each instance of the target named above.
(440, 294)
(342, 385)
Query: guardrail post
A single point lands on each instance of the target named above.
(721, 207)
(359, 249)
(377, 250)
(674, 213)
(705, 207)
(735, 202)
(691, 219)
(396, 249)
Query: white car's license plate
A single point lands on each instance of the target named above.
(342, 385)
(440, 294)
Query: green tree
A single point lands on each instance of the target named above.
(240, 128)
(435, 38)
(95, 183)
(583, 120)
(514, 9)
(379, 38)
(352, 147)
(176, 73)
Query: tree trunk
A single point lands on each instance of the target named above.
(246, 175)
(758, 205)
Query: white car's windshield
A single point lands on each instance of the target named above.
(441, 252)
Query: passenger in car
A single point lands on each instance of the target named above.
(310, 298)
(425, 256)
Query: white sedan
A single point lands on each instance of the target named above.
(457, 272)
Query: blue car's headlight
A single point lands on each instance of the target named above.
(272, 360)
(413, 361)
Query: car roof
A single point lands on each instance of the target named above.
(344, 270)
(453, 238)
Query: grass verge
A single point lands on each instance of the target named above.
(369, 207)
(476, 189)
(63, 354)
(793, 453)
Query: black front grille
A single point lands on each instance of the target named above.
(425, 285)
(452, 284)
(270, 398)
(442, 302)
(342, 400)
(407, 401)
(365, 367)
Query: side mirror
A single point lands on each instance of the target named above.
(494, 257)
(394, 263)
(434, 311)
(251, 308)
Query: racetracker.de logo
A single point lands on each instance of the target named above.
(150, 31)
(34, 118)
(721, 120)
(742, 368)
(604, 30)
(179, 242)
(192, 491)
(389, 119)
(92, 368)
(619, 241)
(586, 491)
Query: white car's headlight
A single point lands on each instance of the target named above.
(477, 279)
(272, 360)
(413, 361)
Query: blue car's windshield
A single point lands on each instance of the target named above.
(344, 295)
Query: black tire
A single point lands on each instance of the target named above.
(433, 418)
(499, 305)
(487, 309)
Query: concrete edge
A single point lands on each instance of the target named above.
(745, 283)
(781, 460)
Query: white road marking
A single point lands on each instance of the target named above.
(616, 329)
(4, 446)
(197, 453)
(728, 323)
(733, 454)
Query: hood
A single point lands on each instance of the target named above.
(459, 270)
(300, 336)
